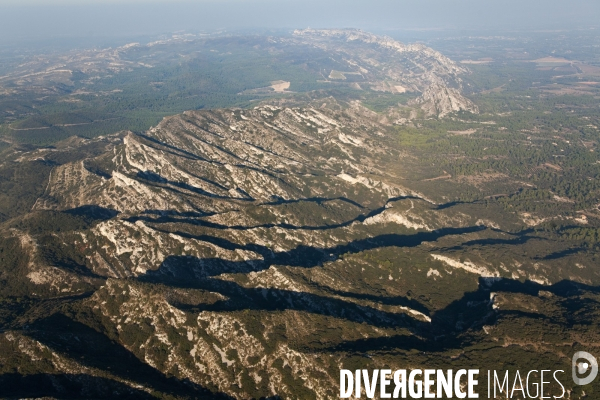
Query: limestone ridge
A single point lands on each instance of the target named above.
(251, 252)
(413, 67)
(223, 209)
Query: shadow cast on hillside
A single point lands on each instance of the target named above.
(472, 312)
(192, 217)
(66, 386)
(165, 219)
(176, 151)
(518, 238)
(192, 272)
(385, 300)
(319, 200)
(96, 350)
(93, 212)
(444, 330)
(302, 256)
(158, 180)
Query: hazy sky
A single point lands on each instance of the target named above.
(94, 18)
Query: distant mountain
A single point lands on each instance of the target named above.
(389, 65)
(45, 98)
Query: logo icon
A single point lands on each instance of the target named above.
(582, 363)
